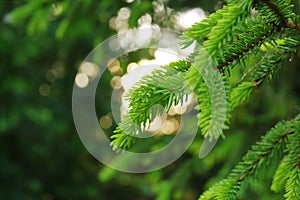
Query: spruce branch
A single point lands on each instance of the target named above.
(277, 12)
(289, 162)
(231, 35)
(241, 94)
(220, 34)
(217, 24)
(292, 186)
(271, 144)
(280, 176)
(270, 64)
(222, 31)
(266, 67)
(145, 98)
(251, 34)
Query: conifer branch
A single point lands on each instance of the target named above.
(293, 185)
(270, 64)
(214, 28)
(272, 143)
(145, 98)
(230, 34)
(276, 10)
(289, 162)
(263, 155)
(247, 40)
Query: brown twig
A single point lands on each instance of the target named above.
(276, 10)
(293, 25)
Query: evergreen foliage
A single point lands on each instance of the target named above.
(44, 42)
(271, 146)
(258, 37)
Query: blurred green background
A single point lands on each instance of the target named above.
(41, 156)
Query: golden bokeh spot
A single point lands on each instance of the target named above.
(82, 80)
(132, 66)
(116, 82)
(170, 126)
(90, 69)
(44, 89)
(105, 122)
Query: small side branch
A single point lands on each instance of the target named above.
(276, 10)
(269, 150)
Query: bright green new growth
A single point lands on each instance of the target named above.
(145, 98)
(231, 37)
